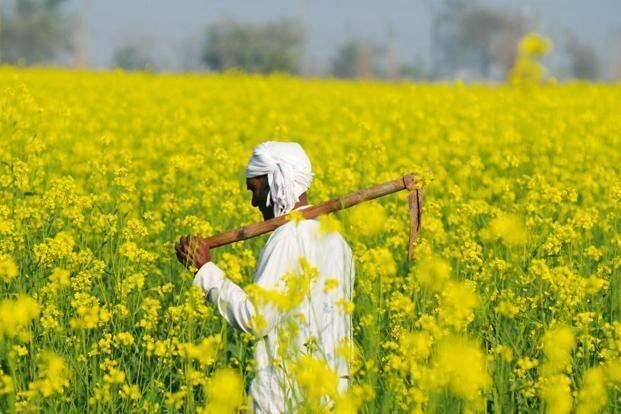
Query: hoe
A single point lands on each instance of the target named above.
(407, 182)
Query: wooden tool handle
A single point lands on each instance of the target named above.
(408, 181)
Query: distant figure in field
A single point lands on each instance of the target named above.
(278, 175)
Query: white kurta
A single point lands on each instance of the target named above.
(325, 320)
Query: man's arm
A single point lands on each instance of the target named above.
(234, 303)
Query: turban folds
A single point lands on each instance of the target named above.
(288, 171)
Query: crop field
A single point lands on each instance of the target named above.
(512, 302)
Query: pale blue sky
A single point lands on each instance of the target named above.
(167, 27)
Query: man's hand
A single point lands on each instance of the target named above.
(192, 251)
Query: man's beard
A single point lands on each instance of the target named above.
(267, 212)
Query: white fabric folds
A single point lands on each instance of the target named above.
(272, 389)
(288, 171)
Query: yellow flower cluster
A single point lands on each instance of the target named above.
(511, 303)
(8, 268)
(16, 316)
(526, 69)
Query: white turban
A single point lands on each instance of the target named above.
(288, 171)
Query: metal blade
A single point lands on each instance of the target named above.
(415, 204)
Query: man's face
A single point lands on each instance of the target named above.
(260, 189)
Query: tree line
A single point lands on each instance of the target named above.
(468, 40)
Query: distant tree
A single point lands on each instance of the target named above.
(615, 73)
(357, 58)
(583, 62)
(264, 48)
(475, 38)
(34, 31)
(188, 54)
(131, 57)
(417, 70)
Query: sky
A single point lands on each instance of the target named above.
(168, 29)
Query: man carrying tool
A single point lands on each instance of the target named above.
(278, 175)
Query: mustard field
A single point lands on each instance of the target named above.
(511, 304)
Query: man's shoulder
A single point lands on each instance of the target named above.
(332, 237)
(309, 229)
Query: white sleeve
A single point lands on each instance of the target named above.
(233, 302)
(209, 277)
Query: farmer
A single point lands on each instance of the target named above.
(278, 175)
